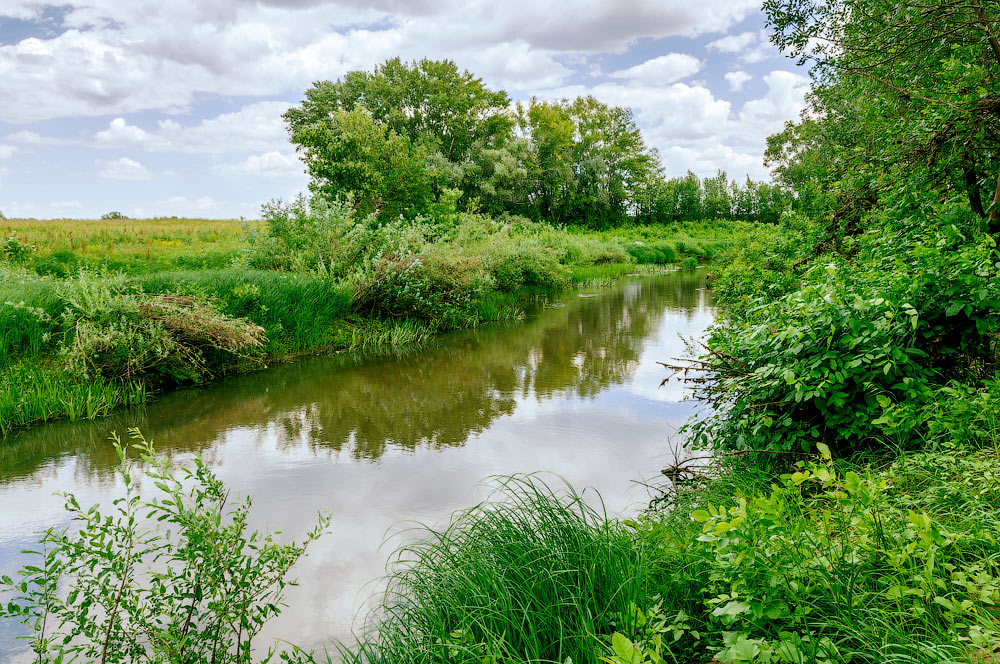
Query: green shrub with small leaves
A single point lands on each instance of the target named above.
(171, 575)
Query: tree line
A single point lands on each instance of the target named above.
(413, 138)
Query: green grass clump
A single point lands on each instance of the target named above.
(32, 393)
(532, 575)
(297, 311)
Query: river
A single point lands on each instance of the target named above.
(386, 441)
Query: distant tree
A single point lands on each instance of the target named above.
(427, 109)
(114, 214)
(715, 201)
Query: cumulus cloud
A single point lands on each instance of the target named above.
(65, 205)
(662, 70)
(750, 47)
(116, 57)
(121, 134)
(269, 165)
(733, 43)
(737, 79)
(7, 151)
(122, 169)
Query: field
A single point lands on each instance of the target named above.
(99, 314)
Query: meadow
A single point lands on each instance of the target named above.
(99, 314)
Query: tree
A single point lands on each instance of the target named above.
(428, 109)
(903, 91)
(350, 152)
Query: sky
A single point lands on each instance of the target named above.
(173, 107)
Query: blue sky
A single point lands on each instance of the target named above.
(172, 107)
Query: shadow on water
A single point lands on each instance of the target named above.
(364, 404)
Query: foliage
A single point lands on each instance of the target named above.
(171, 578)
(114, 214)
(854, 353)
(836, 564)
(532, 575)
(902, 100)
(15, 251)
(114, 330)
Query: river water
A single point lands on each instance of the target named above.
(383, 442)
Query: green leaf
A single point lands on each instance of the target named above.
(622, 646)
(732, 608)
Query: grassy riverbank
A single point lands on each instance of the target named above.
(101, 314)
(838, 561)
(849, 515)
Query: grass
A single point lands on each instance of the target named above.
(134, 245)
(319, 293)
(31, 393)
(532, 575)
(831, 562)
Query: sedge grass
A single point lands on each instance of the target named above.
(532, 575)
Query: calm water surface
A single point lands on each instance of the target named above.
(382, 442)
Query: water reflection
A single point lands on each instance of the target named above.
(432, 398)
(380, 440)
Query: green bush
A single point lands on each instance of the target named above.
(856, 353)
(525, 263)
(173, 577)
(114, 330)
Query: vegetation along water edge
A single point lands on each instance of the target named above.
(847, 510)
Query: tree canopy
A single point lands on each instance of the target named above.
(406, 137)
(904, 92)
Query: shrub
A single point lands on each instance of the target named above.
(114, 214)
(856, 353)
(176, 577)
(525, 262)
(14, 250)
(115, 330)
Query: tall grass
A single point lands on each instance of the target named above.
(298, 311)
(534, 574)
(832, 562)
(31, 393)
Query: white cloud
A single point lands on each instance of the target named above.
(750, 47)
(737, 79)
(120, 134)
(662, 70)
(733, 43)
(784, 100)
(122, 169)
(255, 127)
(7, 151)
(65, 205)
(270, 165)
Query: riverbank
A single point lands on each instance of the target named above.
(104, 314)
(848, 512)
(836, 561)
